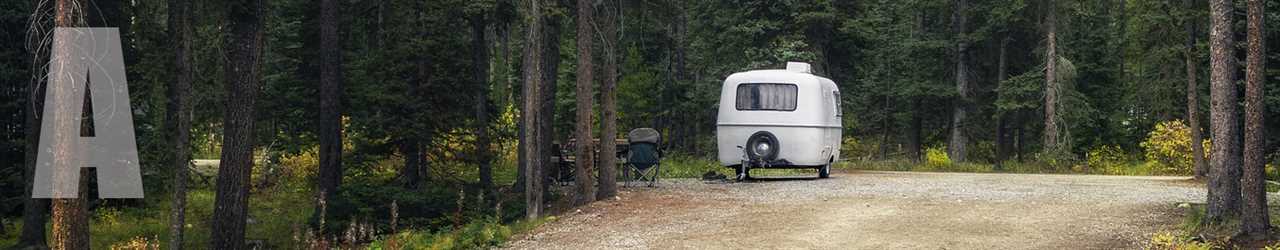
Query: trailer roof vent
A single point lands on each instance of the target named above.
(799, 67)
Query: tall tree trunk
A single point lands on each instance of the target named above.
(1051, 87)
(679, 35)
(886, 128)
(957, 147)
(70, 217)
(1255, 221)
(34, 211)
(522, 160)
(608, 104)
(550, 84)
(532, 109)
(585, 155)
(329, 119)
(243, 47)
(1201, 169)
(915, 140)
(1019, 134)
(178, 117)
(1224, 173)
(1002, 117)
(480, 65)
(412, 168)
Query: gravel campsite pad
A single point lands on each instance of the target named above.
(878, 210)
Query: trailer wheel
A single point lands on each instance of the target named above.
(763, 146)
(824, 171)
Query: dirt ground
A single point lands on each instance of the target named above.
(878, 210)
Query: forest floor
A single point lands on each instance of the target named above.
(879, 210)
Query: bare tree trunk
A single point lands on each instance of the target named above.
(329, 120)
(412, 163)
(70, 216)
(608, 105)
(915, 141)
(1002, 118)
(532, 107)
(1224, 173)
(1255, 221)
(178, 117)
(584, 184)
(243, 47)
(1051, 136)
(1201, 169)
(957, 147)
(885, 128)
(550, 84)
(1019, 134)
(34, 211)
(480, 64)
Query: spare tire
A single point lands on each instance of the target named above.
(763, 146)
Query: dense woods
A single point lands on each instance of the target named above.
(398, 115)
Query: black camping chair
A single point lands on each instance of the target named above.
(643, 159)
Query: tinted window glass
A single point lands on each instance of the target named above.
(835, 95)
(767, 96)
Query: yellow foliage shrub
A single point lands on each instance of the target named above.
(936, 157)
(1170, 146)
(1109, 159)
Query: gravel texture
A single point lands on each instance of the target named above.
(878, 210)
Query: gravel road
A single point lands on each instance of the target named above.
(879, 210)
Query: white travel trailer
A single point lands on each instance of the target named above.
(779, 119)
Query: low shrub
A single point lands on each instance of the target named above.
(685, 166)
(1174, 241)
(1108, 159)
(1170, 146)
(936, 158)
(478, 234)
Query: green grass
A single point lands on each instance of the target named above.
(274, 218)
(479, 234)
(1194, 233)
(682, 166)
(1135, 168)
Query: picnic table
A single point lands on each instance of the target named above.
(565, 160)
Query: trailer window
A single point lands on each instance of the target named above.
(767, 96)
(835, 98)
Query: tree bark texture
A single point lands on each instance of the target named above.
(70, 217)
(584, 185)
(958, 145)
(329, 118)
(531, 110)
(1255, 222)
(178, 116)
(1201, 169)
(1051, 84)
(480, 64)
(243, 45)
(608, 103)
(1224, 172)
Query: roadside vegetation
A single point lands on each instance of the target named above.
(1193, 233)
(1166, 150)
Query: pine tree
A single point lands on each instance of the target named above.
(243, 46)
(584, 184)
(1224, 172)
(178, 116)
(1255, 222)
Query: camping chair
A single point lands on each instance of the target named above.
(643, 157)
